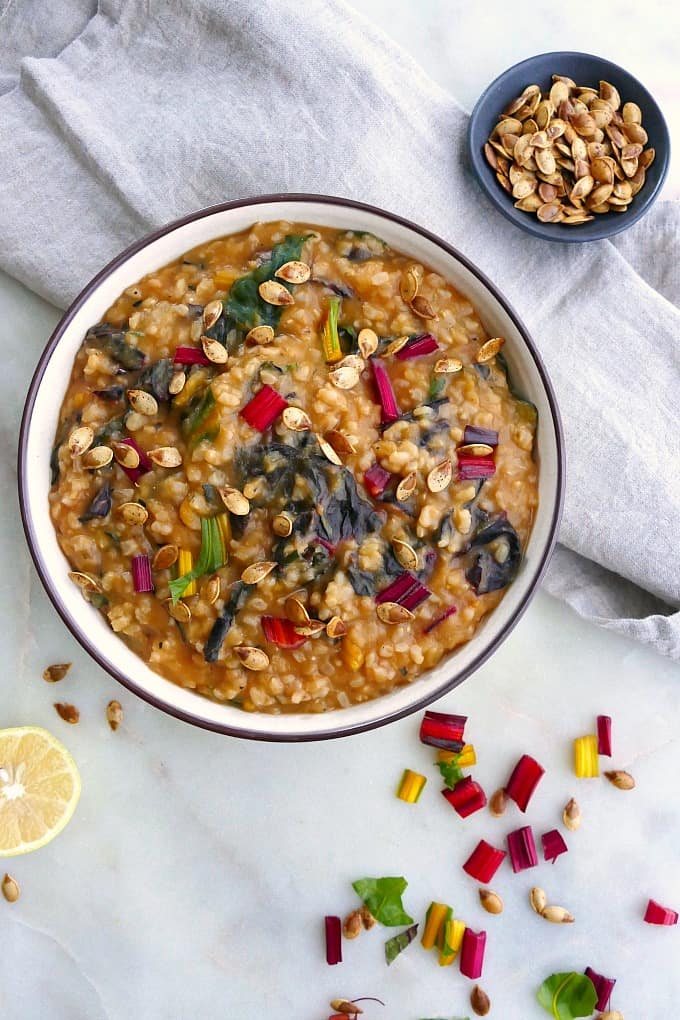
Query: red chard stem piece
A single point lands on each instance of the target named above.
(376, 480)
(439, 729)
(406, 590)
(466, 797)
(656, 914)
(470, 468)
(484, 862)
(525, 777)
(190, 356)
(141, 574)
(522, 849)
(388, 401)
(265, 407)
(440, 619)
(422, 343)
(604, 735)
(472, 953)
(603, 988)
(333, 940)
(553, 845)
(281, 632)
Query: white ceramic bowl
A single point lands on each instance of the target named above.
(49, 385)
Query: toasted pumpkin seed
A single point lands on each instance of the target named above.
(344, 377)
(275, 293)
(125, 455)
(393, 613)
(421, 307)
(491, 157)
(327, 450)
(97, 457)
(620, 779)
(557, 915)
(166, 456)
(310, 629)
(234, 500)
(10, 889)
(179, 611)
(256, 572)
(214, 350)
(440, 476)
(476, 450)
(339, 441)
(394, 346)
(80, 440)
(491, 901)
(85, 581)
(409, 284)
(647, 158)
(114, 714)
(69, 713)
(251, 657)
(294, 272)
(550, 212)
(211, 313)
(53, 674)
(177, 383)
(296, 419)
(489, 350)
(255, 488)
(142, 402)
(498, 802)
(571, 816)
(538, 900)
(133, 513)
(336, 628)
(165, 557)
(260, 335)
(447, 366)
(583, 187)
(407, 486)
(610, 94)
(480, 1001)
(368, 342)
(282, 525)
(211, 590)
(405, 554)
(296, 610)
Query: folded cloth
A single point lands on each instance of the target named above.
(155, 108)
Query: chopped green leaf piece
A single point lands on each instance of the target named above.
(437, 387)
(451, 772)
(569, 995)
(211, 558)
(243, 307)
(382, 897)
(398, 943)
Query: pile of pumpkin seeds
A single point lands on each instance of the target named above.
(570, 153)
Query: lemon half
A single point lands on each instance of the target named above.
(39, 789)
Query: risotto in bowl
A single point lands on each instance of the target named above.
(290, 468)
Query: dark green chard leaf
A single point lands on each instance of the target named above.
(63, 432)
(156, 378)
(100, 505)
(211, 558)
(437, 387)
(349, 341)
(221, 626)
(382, 897)
(398, 943)
(569, 995)
(360, 245)
(112, 429)
(485, 573)
(243, 306)
(195, 416)
(111, 340)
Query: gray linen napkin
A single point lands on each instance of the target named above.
(153, 109)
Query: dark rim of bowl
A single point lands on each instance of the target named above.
(542, 230)
(128, 682)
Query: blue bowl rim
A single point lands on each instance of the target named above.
(548, 231)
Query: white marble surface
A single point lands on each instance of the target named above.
(194, 876)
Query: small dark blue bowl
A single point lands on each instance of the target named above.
(585, 69)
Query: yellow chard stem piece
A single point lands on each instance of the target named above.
(224, 525)
(411, 786)
(331, 341)
(453, 940)
(185, 564)
(586, 761)
(465, 759)
(434, 923)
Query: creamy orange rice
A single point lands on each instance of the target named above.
(351, 541)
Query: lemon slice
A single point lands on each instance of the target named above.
(39, 789)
